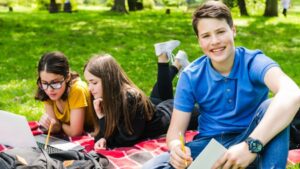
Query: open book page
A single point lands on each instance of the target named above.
(211, 153)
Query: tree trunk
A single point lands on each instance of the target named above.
(271, 8)
(119, 6)
(243, 9)
(53, 7)
(68, 7)
(135, 5)
(229, 3)
(132, 5)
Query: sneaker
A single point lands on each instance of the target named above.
(166, 47)
(182, 58)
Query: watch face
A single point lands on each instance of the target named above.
(255, 146)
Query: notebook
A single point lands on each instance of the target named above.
(15, 132)
(211, 153)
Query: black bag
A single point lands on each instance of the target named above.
(36, 158)
(295, 132)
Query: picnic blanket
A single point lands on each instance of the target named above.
(137, 155)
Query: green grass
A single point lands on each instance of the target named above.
(25, 36)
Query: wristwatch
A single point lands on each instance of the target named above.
(255, 146)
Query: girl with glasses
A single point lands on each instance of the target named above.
(66, 98)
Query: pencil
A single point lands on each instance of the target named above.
(182, 146)
(48, 135)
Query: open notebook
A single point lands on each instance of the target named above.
(211, 153)
(15, 132)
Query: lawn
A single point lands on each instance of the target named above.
(25, 36)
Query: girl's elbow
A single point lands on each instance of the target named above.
(75, 133)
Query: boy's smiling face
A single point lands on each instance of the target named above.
(216, 38)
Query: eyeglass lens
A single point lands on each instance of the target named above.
(53, 85)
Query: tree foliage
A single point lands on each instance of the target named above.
(271, 6)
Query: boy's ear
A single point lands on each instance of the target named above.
(234, 30)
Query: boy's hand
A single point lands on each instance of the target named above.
(100, 144)
(97, 107)
(179, 159)
(237, 156)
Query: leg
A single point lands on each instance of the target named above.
(163, 88)
(162, 161)
(159, 162)
(284, 11)
(255, 121)
(275, 152)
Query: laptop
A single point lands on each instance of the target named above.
(15, 132)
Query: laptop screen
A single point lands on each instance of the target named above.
(15, 131)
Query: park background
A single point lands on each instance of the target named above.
(28, 29)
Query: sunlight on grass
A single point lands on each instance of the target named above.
(22, 101)
(243, 22)
(129, 38)
(93, 8)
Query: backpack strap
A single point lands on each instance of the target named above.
(6, 161)
(82, 159)
(99, 159)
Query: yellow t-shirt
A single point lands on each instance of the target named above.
(78, 97)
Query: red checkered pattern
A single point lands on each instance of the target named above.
(137, 155)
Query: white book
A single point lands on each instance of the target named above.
(211, 153)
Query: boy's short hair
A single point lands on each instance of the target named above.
(212, 9)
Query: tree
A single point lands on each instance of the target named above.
(271, 8)
(240, 3)
(53, 7)
(243, 9)
(119, 6)
(134, 5)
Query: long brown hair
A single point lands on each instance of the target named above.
(116, 86)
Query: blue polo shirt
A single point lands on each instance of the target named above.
(227, 103)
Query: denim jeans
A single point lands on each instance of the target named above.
(273, 156)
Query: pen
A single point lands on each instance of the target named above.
(182, 146)
(48, 135)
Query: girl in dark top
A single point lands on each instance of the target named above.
(126, 115)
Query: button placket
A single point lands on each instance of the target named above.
(229, 86)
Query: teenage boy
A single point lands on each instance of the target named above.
(231, 85)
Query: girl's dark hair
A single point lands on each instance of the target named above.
(117, 88)
(212, 9)
(57, 63)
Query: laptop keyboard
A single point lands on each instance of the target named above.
(49, 149)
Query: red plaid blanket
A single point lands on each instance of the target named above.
(136, 156)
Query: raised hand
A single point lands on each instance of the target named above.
(97, 107)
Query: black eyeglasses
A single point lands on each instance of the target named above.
(53, 85)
